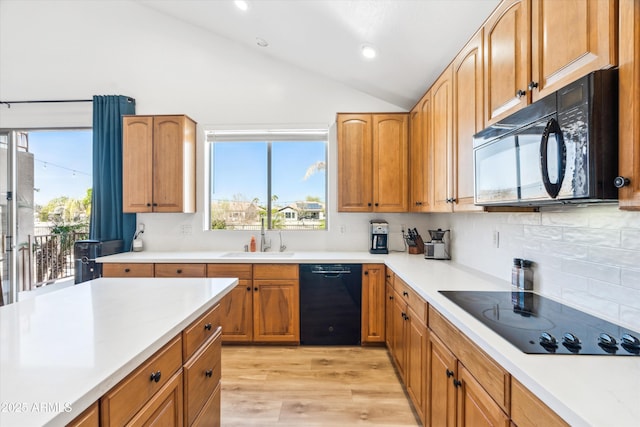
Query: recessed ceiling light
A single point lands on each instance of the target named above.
(261, 42)
(368, 51)
(243, 5)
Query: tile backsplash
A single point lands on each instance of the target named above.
(589, 256)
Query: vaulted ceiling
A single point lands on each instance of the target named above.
(414, 39)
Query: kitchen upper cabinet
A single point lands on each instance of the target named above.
(421, 156)
(468, 114)
(507, 51)
(531, 51)
(373, 162)
(373, 303)
(442, 122)
(562, 53)
(159, 166)
(629, 112)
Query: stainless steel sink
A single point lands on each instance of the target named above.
(257, 255)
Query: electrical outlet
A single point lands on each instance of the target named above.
(343, 229)
(186, 230)
(496, 239)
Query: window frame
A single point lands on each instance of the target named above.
(265, 134)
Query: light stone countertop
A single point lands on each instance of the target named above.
(61, 351)
(584, 390)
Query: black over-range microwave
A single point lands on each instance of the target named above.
(562, 148)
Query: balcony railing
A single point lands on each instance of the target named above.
(48, 258)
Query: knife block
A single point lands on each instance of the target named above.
(419, 248)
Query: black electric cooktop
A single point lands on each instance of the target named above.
(538, 325)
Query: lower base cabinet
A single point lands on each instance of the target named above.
(178, 386)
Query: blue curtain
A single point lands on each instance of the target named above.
(108, 222)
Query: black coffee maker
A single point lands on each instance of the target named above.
(379, 230)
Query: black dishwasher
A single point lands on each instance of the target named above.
(330, 304)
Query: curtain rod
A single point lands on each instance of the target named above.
(52, 101)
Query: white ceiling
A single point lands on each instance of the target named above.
(415, 39)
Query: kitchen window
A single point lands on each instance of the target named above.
(275, 177)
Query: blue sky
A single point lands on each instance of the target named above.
(241, 168)
(62, 163)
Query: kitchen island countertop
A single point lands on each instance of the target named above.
(63, 350)
(584, 390)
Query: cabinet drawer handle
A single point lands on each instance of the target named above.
(255, 289)
(449, 373)
(248, 288)
(155, 376)
(533, 85)
(127, 270)
(457, 383)
(520, 93)
(390, 297)
(207, 327)
(155, 204)
(179, 271)
(405, 293)
(148, 205)
(208, 373)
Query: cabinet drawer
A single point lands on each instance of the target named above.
(127, 270)
(417, 304)
(275, 271)
(529, 411)
(201, 377)
(180, 270)
(241, 271)
(210, 414)
(123, 401)
(89, 418)
(495, 380)
(199, 331)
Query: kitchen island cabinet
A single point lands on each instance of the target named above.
(102, 339)
(373, 164)
(159, 164)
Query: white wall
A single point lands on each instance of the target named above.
(72, 49)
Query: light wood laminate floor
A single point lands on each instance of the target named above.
(311, 386)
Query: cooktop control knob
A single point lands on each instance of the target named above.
(548, 341)
(630, 343)
(607, 340)
(570, 339)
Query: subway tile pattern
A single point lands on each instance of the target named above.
(588, 255)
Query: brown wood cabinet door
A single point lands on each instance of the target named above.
(507, 52)
(399, 335)
(442, 370)
(442, 121)
(168, 156)
(137, 163)
(475, 406)
(417, 362)
(629, 74)
(420, 156)
(237, 313)
(373, 303)
(529, 411)
(276, 311)
(355, 163)
(468, 102)
(561, 53)
(164, 408)
(390, 162)
(389, 331)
